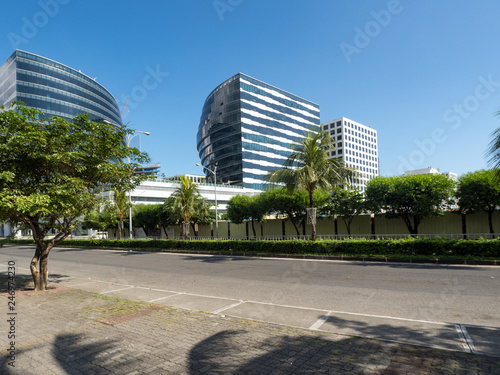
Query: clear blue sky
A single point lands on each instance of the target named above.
(425, 74)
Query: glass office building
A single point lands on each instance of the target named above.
(247, 127)
(55, 89)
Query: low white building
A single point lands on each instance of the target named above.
(155, 192)
(451, 175)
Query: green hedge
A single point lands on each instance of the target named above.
(410, 247)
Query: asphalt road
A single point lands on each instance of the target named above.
(435, 293)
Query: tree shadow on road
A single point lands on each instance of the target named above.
(217, 258)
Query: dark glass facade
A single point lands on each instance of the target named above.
(247, 127)
(55, 89)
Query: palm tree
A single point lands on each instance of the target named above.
(493, 150)
(121, 208)
(186, 201)
(310, 168)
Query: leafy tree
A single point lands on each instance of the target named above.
(411, 198)
(479, 191)
(51, 170)
(242, 207)
(293, 205)
(202, 215)
(310, 168)
(166, 215)
(101, 219)
(146, 217)
(345, 203)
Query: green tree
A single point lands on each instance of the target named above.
(146, 217)
(166, 215)
(51, 170)
(242, 207)
(187, 202)
(310, 168)
(479, 191)
(293, 205)
(493, 151)
(120, 206)
(345, 203)
(101, 219)
(411, 198)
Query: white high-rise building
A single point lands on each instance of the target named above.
(357, 145)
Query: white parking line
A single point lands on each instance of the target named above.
(320, 321)
(468, 339)
(117, 290)
(462, 338)
(158, 299)
(227, 307)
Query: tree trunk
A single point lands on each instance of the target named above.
(313, 220)
(253, 228)
(336, 225)
(120, 229)
(464, 225)
(40, 260)
(490, 221)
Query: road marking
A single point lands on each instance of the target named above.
(468, 340)
(320, 321)
(462, 338)
(228, 307)
(158, 299)
(118, 290)
(88, 282)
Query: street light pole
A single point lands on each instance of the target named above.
(130, 228)
(129, 138)
(214, 171)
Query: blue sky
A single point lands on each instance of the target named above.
(425, 74)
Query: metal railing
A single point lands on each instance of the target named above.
(450, 236)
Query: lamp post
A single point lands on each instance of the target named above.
(129, 138)
(214, 172)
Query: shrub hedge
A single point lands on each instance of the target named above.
(409, 247)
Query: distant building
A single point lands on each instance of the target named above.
(451, 175)
(55, 89)
(247, 126)
(151, 170)
(357, 145)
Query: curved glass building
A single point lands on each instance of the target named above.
(247, 126)
(55, 89)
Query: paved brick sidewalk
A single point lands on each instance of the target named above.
(70, 331)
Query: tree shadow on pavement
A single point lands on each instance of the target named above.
(230, 352)
(70, 352)
(25, 282)
(239, 352)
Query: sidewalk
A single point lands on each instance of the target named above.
(71, 331)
